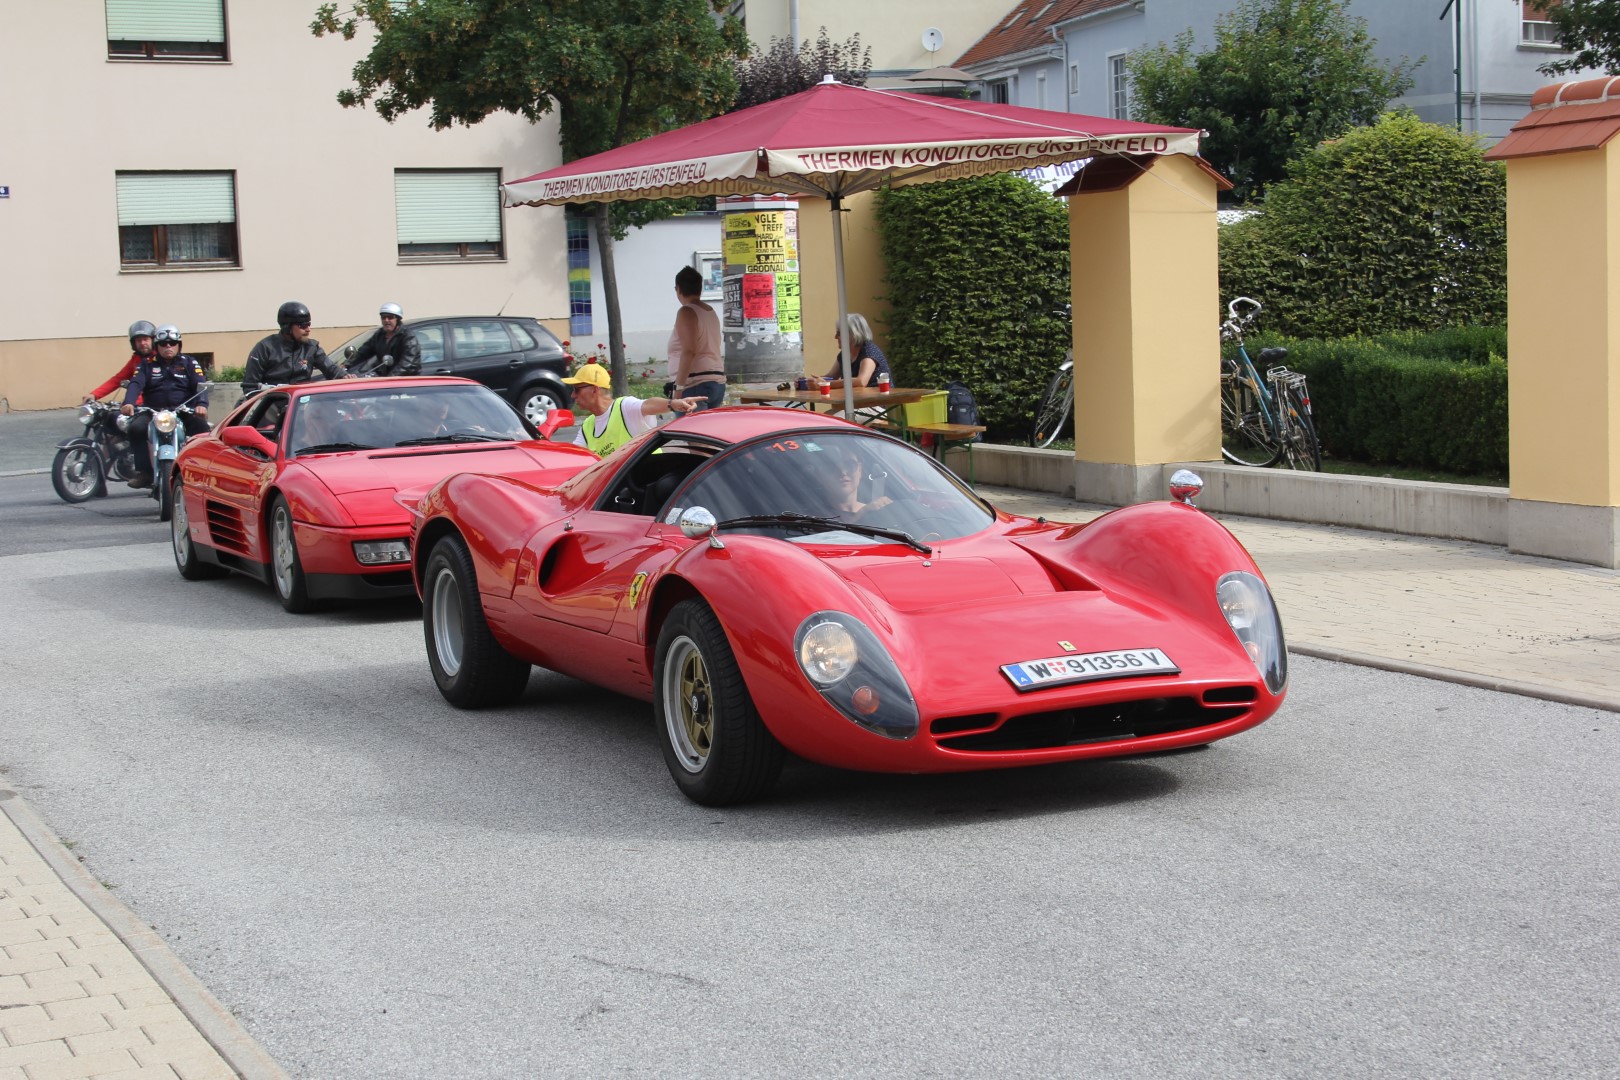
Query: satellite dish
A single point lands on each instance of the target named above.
(932, 39)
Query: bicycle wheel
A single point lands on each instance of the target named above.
(1245, 434)
(1052, 414)
(1300, 447)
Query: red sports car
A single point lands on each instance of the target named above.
(777, 581)
(296, 487)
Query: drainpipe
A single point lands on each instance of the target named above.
(1454, 9)
(1473, 45)
(793, 23)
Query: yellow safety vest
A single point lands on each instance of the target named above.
(616, 434)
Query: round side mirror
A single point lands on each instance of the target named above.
(348, 352)
(696, 522)
(1185, 486)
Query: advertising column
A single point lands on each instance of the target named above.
(764, 339)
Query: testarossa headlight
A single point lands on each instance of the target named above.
(855, 673)
(1252, 615)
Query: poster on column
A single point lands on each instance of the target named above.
(731, 302)
(759, 303)
(787, 303)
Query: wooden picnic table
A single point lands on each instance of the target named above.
(866, 397)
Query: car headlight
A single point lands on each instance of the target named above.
(382, 552)
(164, 421)
(87, 413)
(850, 667)
(1250, 612)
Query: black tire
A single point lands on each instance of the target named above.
(716, 747)
(1301, 449)
(191, 566)
(471, 668)
(76, 474)
(286, 569)
(1052, 414)
(537, 400)
(164, 491)
(1245, 437)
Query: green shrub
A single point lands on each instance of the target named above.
(1397, 226)
(229, 374)
(1399, 400)
(978, 278)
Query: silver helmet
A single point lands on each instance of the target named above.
(140, 328)
(165, 333)
(391, 309)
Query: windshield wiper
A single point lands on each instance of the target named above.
(459, 436)
(788, 517)
(328, 447)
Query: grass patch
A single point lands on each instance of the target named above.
(1397, 472)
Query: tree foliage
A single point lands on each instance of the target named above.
(1283, 76)
(1398, 226)
(784, 68)
(616, 71)
(1588, 28)
(978, 279)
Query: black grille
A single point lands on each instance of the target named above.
(225, 527)
(1230, 695)
(1074, 727)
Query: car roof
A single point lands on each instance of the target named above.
(354, 386)
(739, 423)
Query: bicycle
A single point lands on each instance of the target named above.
(1052, 412)
(1263, 419)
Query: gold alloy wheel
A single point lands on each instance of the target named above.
(688, 704)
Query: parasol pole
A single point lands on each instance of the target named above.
(844, 335)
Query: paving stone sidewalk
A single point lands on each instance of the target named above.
(80, 991)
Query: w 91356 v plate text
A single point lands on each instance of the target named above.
(1088, 667)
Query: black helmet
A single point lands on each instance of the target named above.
(140, 328)
(291, 313)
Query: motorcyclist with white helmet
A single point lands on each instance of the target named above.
(290, 356)
(396, 347)
(141, 350)
(167, 380)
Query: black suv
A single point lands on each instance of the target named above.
(514, 356)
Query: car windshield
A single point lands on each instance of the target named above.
(802, 488)
(363, 419)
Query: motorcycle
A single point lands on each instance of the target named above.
(86, 462)
(164, 437)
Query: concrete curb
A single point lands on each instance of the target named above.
(211, 1019)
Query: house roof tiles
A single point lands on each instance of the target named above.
(1027, 25)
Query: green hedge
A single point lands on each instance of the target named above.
(1435, 401)
(978, 280)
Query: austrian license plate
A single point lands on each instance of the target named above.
(1088, 667)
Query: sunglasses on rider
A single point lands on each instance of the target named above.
(304, 325)
(168, 344)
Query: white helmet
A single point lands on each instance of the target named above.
(391, 309)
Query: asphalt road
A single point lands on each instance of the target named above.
(1393, 877)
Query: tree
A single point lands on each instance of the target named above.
(1397, 226)
(1283, 76)
(786, 68)
(616, 71)
(1588, 28)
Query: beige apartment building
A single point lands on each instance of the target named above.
(906, 36)
(186, 161)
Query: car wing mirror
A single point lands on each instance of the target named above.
(242, 437)
(556, 418)
(348, 352)
(697, 522)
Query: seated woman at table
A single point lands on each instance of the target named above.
(868, 365)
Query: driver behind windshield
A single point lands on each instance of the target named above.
(840, 471)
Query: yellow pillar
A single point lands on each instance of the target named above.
(863, 274)
(1146, 331)
(1563, 168)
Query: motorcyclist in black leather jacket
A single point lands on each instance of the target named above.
(394, 346)
(291, 356)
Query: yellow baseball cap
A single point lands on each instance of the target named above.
(591, 375)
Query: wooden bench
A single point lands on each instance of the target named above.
(946, 434)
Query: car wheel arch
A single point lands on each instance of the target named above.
(424, 543)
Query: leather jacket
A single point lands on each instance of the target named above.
(279, 360)
(406, 353)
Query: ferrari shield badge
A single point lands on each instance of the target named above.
(636, 584)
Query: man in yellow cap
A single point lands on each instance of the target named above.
(615, 421)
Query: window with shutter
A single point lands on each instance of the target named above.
(448, 214)
(166, 30)
(176, 220)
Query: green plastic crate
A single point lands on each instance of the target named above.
(930, 410)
